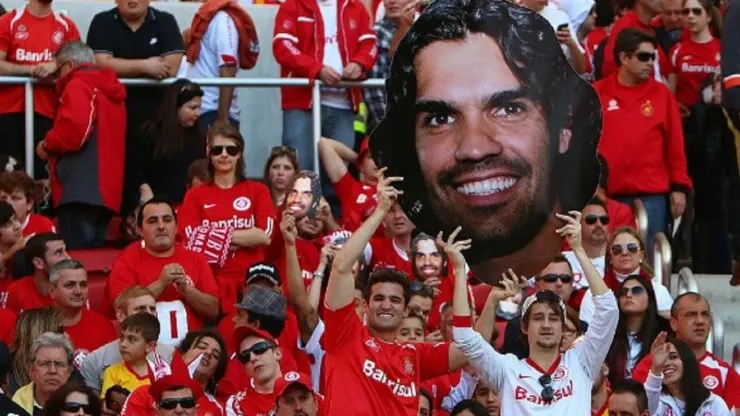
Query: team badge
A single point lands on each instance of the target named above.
(79, 357)
(560, 374)
(58, 37)
(292, 376)
(242, 203)
(408, 366)
(647, 109)
(710, 382)
(612, 105)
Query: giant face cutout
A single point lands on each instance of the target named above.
(304, 196)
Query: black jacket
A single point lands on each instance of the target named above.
(9, 408)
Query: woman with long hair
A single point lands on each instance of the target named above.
(230, 219)
(173, 142)
(674, 385)
(639, 325)
(72, 399)
(30, 324)
(280, 168)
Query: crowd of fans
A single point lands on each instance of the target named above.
(235, 296)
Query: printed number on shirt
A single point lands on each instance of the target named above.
(173, 318)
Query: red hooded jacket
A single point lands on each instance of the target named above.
(298, 45)
(86, 143)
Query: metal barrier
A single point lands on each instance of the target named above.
(641, 218)
(686, 282)
(210, 82)
(736, 357)
(716, 340)
(662, 259)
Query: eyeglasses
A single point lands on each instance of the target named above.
(636, 291)
(592, 218)
(46, 365)
(171, 404)
(256, 349)
(645, 56)
(552, 278)
(74, 407)
(696, 11)
(547, 392)
(618, 249)
(231, 150)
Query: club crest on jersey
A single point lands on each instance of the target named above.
(647, 109)
(560, 374)
(612, 105)
(242, 203)
(79, 357)
(58, 37)
(408, 366)
(710, 382)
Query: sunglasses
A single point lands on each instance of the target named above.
(618, 249)
(231, 150)
(645, 56)
(547, 393)
(256, 349)
(552, 278)
(74, 407)
(592, 218)
(635, 290)
(171, 404)
(696, 11)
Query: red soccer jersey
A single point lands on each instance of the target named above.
(447, 289)
(91, 332)
(358, 201)
(383, 377)
(694, 64)
(244, 206)
(141, 403)
(385, 252)
(30, 40)
(37, 224)
(309, 255)
(22, 295)
(7, 326)
(250, 402)
(136, 266)
(440, 387)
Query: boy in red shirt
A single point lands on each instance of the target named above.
(19, 190)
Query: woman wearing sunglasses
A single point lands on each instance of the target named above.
(674, 386)
(639, 324)
(72, 400)
(230, 219)
(280, 168)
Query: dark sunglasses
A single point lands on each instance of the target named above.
(636, 291)
(256, 349)
(552, 278)
(592, 218)
(645, 56)
(74, 407)
(696, 11)
(547, 393)
(231, 150)
(618, 249)
(171, 404)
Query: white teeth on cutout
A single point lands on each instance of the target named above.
(486, 187)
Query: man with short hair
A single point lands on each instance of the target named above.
(691, 321)
(68, 288)
(668, 24)
(42, 252)
(51, 358)
(294, 396)
(182, 281)
(136, 299)
(84, 147)
(19, 190)
(628, 398)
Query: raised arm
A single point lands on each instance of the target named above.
(341, 286)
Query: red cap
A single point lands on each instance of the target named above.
(289, 379)
(364, 150)
(178, 375)
(244, 331)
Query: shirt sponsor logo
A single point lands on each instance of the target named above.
(702, 69)
(710, 382)
(242, 203)
(21, 35)
(233, 222)
(372, 344)
(521, 393)
(22, 55)
(398, 389)
(612, 105)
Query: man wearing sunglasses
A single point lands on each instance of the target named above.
(595, 225)
(642, 140)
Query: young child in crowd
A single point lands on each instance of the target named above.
(139, 334)
(19, 190)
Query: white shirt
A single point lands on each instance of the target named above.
(577, 10)
(557, 17)
(579, 277)
(218, 47)
(661, 404)
(517, 381)
(332, 96)
(662, 297)
(314, 349)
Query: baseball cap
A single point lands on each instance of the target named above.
(264, 301)
(290, 378)
(242, 332)
(265, 271)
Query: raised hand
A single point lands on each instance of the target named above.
(453, 248)
(659, 353)
(571, 231)
(288, 228)
(387, 194)
(512, 285)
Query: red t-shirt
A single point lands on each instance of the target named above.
(141, 403)
(385, 252)
(37, 224)
(244, 206)
(30, 40)
(447, 289)
(250, 402)
(693, 63)
(384, 378)
(22, 295)
(358, 200)
(7, 326)
(135, 266)
(91, 332)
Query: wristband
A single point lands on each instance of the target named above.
(318, 275)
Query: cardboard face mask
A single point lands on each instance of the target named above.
(492, 130)
(304, 197)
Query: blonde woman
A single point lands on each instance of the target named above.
(30, 324)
